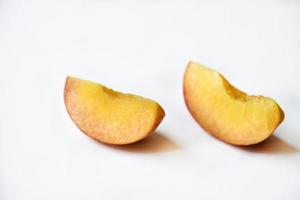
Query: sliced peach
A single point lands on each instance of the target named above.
(226, 112)
(108, 116)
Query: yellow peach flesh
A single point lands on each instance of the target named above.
(226, 112)
(108, 116)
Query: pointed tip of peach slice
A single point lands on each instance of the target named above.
(226, 112)
(109, 116)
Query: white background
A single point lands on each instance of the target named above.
(142, 47)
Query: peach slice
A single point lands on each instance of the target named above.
(108, 116)
(226, 112)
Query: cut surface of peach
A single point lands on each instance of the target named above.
(226, 112)
(109, 116)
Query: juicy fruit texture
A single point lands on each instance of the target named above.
(226, 112)
(108, 116)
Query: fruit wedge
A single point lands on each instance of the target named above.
(108, 116)
(226, 112)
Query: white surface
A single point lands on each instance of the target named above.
(143, 48)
